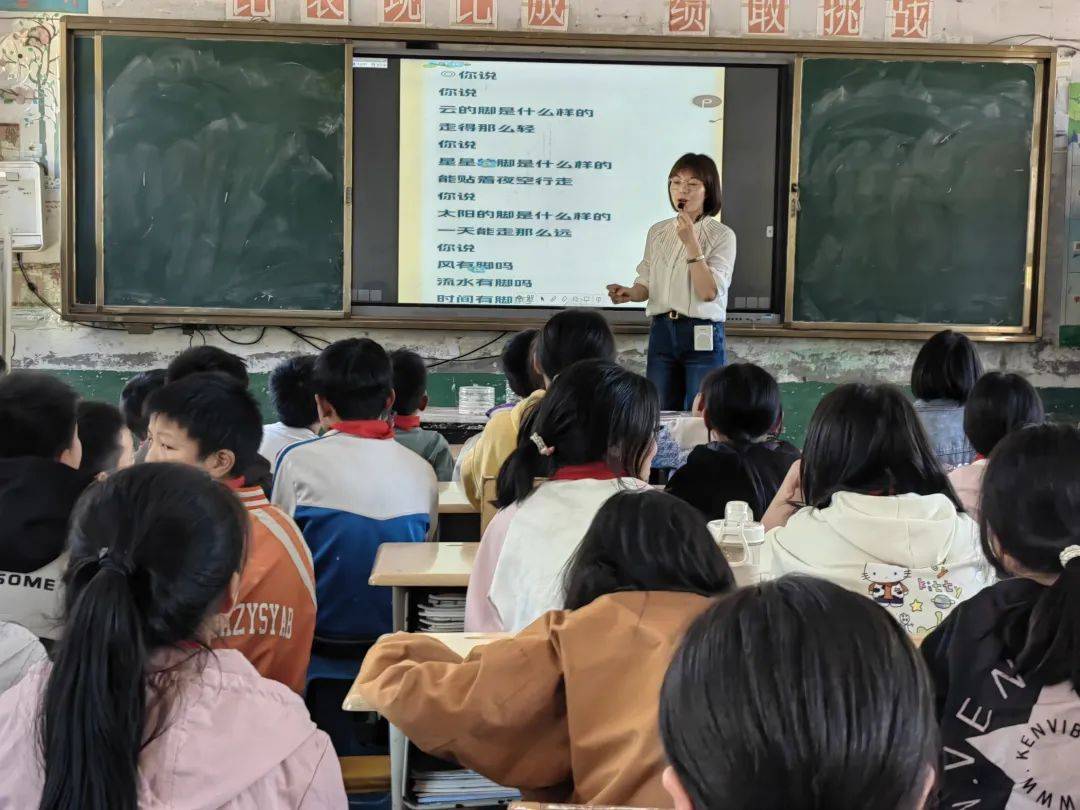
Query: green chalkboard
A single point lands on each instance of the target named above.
(223, 174)
(914, 187)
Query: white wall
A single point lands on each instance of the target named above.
(29, 95)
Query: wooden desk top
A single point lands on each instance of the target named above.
(461, 643)
(452, 500)
(446, 565)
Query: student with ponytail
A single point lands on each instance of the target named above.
(592, 436)
(1006, 663)
(135, 710)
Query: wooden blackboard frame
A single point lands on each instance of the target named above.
(538, 42)
(1037, 226)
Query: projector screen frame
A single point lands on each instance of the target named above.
(668, 49)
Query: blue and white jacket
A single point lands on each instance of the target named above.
(349, 495)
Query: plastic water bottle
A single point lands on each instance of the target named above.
(475, 400)
(742, 540)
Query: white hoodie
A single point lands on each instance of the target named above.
(913, 554)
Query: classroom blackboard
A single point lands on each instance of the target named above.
(223, 173)
(914, 192)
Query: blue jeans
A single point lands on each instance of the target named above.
(674, 366)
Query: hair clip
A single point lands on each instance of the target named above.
(541, 445)
(1069, 554)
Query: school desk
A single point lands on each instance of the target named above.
(421, 566)
(459, 520)
(462, 644)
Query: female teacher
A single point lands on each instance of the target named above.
(685, 276)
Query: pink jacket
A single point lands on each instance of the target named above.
(480, 615)
(236, 740)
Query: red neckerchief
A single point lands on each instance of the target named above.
(365, 428)
(235, 484)
(980, 457)
(577, 472)
(402, 422)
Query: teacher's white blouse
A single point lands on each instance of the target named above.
(667, 275)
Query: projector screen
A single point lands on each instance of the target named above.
(533, 183)
(501, 184)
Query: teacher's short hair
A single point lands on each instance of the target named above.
(704, 169)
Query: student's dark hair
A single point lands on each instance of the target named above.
(573, 335)
(704, 169)
(998, 405)
(799, 694)
(946, 367)
(742, 401)
(1030, 500)
(206, 358)
(100, 424)
(215, 411)
(410, 381)
(291, 391)
(37, 415)
(868, 439)
(517, 363)
(355, 377)
(133, 399)
(595, 411)
(152, 551)
(646, 541)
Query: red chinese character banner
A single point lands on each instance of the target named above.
(481, 13)
(545, 15)
(326, 11)
(687, 17)
(766, 17)
(401, 12)
(250, 10)
(840, 18)
(910, 19)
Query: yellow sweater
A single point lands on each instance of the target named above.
(496, 443)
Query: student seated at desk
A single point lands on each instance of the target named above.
(40, 454)
(569, 336)
(211, 422)
(518, 364)
(870, 509)
(294, 403)
(999, 404)
(410, 400)
(796, 694)
(354, 488)
(591, 436)
(567, 709)
(945, 371)
(135, 711)
(132, 398)
(743, 460)
(107, 444)
(1006, 663)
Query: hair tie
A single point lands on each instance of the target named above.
(538, 440)
(106, 562)
(1069, 554)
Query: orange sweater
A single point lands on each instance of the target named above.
(273, 619)
(564, 711)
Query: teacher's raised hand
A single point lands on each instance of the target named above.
(684, 228)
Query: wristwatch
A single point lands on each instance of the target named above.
(700, 258)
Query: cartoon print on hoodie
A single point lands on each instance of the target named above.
(886, 583)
